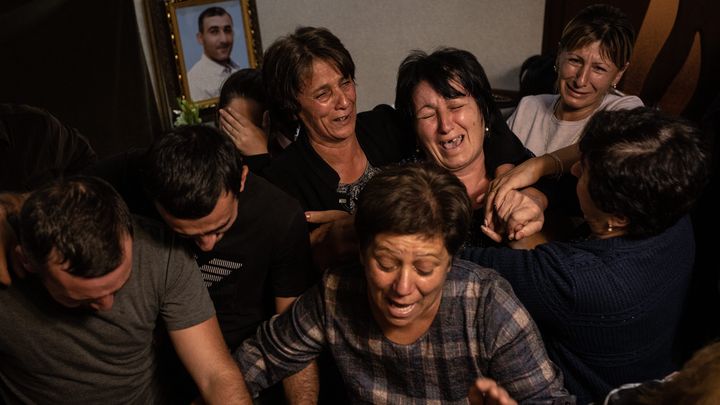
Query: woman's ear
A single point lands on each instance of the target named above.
(620, 74)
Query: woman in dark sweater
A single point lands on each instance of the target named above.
(608, 305)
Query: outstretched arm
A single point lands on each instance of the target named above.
(302, 387)
(206, 357)
(502, 193)
(529, 172)
(519, 216)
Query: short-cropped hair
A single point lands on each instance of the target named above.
(414, 199)
(83, 218)
(210, 12)
(188, 169)
(644, 165)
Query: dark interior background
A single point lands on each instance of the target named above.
(82, 61)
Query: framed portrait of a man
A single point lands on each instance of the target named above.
(212, 39)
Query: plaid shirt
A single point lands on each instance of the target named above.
(481, 329)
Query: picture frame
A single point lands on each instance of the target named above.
(177, 48)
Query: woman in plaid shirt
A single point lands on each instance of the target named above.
(408, 323)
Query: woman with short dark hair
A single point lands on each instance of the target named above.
(608, 305)
(411, 324)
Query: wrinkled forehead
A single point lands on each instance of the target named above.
(587, 44)
(318, 71)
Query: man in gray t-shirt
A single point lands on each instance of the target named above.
(78, 328)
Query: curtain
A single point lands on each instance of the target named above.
(82, 60)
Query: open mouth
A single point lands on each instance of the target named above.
(453, 143)
(400, 310)
(343, 119)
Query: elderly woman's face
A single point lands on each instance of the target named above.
(327, 104)
(405, 275)
(584, 78)
(451, 131)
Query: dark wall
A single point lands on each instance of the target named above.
(680, 73)
(82, 61)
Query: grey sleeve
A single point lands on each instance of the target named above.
(186, 301)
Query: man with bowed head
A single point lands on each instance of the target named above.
(79, 327)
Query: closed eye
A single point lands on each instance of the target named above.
(425, 267)
(574, 61)
(323, 96)
(386, 264)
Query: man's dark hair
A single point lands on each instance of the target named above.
(245, 83)
(83, 218)
(414, 199)
(189, 168)
(644, 165)
(440, 69)
(211, 12)
(289, 61)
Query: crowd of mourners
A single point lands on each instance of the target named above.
(296, 251)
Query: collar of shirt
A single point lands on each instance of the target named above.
(219, 68)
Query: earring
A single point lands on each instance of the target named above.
(555, 68)
(417, 148)
(487, 131)
(297, 133)
(609, 228)
(614, 86)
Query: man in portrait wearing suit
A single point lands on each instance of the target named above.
(215, 34)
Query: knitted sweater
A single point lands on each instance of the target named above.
(607, 308)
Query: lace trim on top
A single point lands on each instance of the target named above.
(348, 193)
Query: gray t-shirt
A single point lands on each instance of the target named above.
(53, 354)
